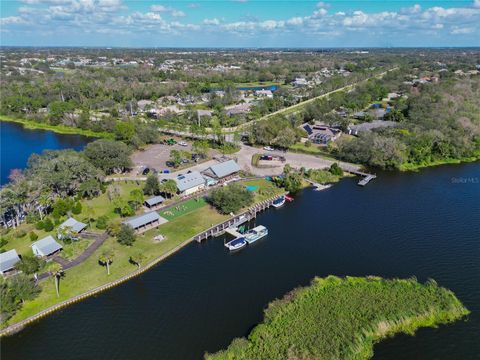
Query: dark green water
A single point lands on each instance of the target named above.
(425, 225)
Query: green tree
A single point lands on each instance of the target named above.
(108, 155)
(152, 185)
(124, 131)
(335, 169)
(231, 198)
(137, 259)
(200, 147)
(293, 182)
(106, 259)
(33, 236)
(24, 288)
(136, 198)
(169, 187)
(126, 235)
(47, 225)
(175, 157)
(30, 264)
(57, 273)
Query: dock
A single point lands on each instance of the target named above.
(231, 225)
(366, 179)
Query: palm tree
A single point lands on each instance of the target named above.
(106, 259)
(137, 259)
(57, 272)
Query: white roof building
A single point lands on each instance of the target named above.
(73, 225)
(8, 259)
(46, 246)
(190, 183)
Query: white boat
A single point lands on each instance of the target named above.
(279, 202)
(321, 187)
(256, 233)
(236, 244)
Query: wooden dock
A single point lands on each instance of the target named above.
(229, 225)
(366, 179)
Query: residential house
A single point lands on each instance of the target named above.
(46, 246)
(369, 126)
(264, 93)
(8, 259)
(300, 82)
(190, 183)
(239, 109)
(71, 227)
(321, 134)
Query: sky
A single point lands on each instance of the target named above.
(240, 23)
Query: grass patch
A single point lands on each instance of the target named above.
(264, 189)
(183, 208)
(311, 150)
(60, 129)
(337, 318)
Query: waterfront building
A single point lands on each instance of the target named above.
(46, 246)
(190, 183)
(8, 259)
(144, 222)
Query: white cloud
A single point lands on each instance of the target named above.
(295, 21)
(12, 20)
(476, 4)
(159, 8)
(461, 30)
(213, 21)
(173, 12)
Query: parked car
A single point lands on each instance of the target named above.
(170, 164)
(166, 171)
(268, 148)
(182, 143)
(184, 161)
(145, 171)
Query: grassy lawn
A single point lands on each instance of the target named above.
(311, 150)
(183, 208)
(185, 222)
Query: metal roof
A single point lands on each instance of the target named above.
(8, 259)
(188, 181)
(155, 200)
(74, 225)
(47, 245)
(142, 220)
(225, 168)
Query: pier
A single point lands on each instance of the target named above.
(366, 179)
(230, 225)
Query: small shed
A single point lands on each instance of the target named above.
(8, 259)
(154, 202)
(74, 225)
(46, 246)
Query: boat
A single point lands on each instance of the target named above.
(288, 198)
(256, 233)
(279, 202)
(321, 187)
(236, 244)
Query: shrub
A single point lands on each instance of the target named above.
(48, 225)
(101, 223)
(77, 208)
(33, 236)
(336, 170)
(230, 198)
(126, 235)
(19, 233)
(30, 264)
(40, 225)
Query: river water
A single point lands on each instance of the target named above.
(424, 224)
(18, 143)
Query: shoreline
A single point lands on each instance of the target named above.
(20, 325)
(59, 129)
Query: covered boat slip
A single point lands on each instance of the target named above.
(256, 233)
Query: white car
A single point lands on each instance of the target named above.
(182, 143)
(268, 148)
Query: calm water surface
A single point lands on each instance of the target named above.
(18, 143)
(425, 225)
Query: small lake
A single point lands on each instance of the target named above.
(424, 224)
(18, 143)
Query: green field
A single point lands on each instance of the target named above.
(183, 208)
(337, 318)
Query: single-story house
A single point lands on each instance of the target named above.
(239, 109)
(73, 226)
(46, 246)
(154, 202)
(145, 221)
(369, 126)
(222, 170)
(299, 82)
(8, 259)
(264, 93)
(321, 134)
(189, 183)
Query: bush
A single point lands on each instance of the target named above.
(126, 235)
(77, 208)
(30, 264)
(40, 225)
(48, 225)
(19, 233)
(335, 169)
(33, 236)
(101, 223)
(308, 143)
